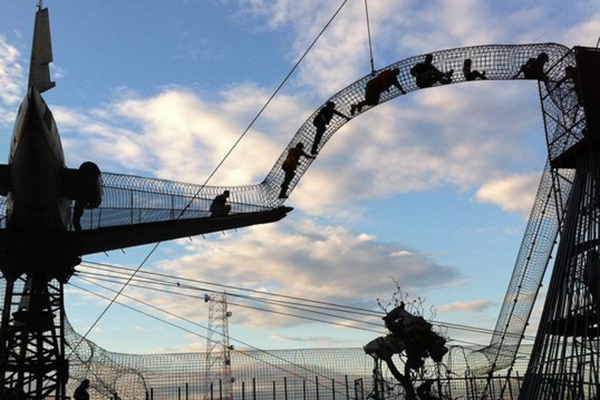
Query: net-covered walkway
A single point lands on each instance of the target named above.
(132, 199)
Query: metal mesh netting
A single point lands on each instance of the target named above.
(564, 121)
(342, 373)
(500, 62)
(564, 116)
(533, 257)
(132, 199)
(565, 360)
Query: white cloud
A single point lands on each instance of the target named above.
(585, 34)
(178, 135)
(467, 306)
(342, 53)
(305, 260)
(11, 81)
(401, 253)
(324, 341)
(515, 193)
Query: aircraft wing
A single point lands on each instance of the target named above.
(137, 210)
(121, 236)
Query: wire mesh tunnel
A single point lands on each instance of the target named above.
(133, 199)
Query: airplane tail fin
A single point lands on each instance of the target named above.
(41, 53)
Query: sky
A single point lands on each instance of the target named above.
(431, 190)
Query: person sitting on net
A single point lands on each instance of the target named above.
(289, 167)
(81, 393)
(534, 68)
(219, 208)
(470, 74)
(376, 86)
(428, 75)
(322, 120)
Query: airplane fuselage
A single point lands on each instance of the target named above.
(36, 161)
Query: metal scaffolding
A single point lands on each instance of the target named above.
(564, 361)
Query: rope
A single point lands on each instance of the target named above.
(151, 252)
(369, 36)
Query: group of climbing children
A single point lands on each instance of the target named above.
(426, 75)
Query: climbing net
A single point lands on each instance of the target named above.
(133, 199)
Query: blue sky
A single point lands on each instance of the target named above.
(433, 189)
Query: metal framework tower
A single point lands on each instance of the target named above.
(32, 346)
(218, 377)
(564, 363)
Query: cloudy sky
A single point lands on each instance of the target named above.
(431, 190)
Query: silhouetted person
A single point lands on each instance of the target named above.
(470, 74)
(78, 210)
(376, 86)
(88, 192)
(322, 120)
(424, 391)
(428, 75)
(572, 74)
(81, 392)
(592, 276)
(289, 167)
(534, 68)
(219, 206)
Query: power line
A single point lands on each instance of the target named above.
(334, 306)
(260, 309)
(115, 298)
(467, 328)
(241, 296)
(233, 287)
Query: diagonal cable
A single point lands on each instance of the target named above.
(151, 252)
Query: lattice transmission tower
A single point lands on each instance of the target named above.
(218, 377)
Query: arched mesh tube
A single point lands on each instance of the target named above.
(132, 199)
